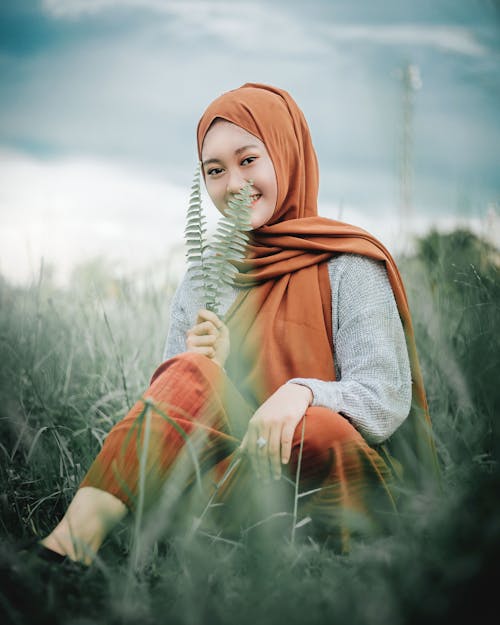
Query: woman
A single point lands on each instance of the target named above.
(312, 367)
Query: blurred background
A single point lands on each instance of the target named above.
(100, 100)
(99, 104)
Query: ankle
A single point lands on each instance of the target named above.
(64, 544)
(54, 545)
(90, 516)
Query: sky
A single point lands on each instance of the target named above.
(100, 100)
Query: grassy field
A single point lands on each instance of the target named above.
(72, 363)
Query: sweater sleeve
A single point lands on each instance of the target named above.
(178, 322)
(373, 387)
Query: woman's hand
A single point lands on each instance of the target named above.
(275, 422)
(209, 336)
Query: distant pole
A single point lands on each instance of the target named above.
(411, 82)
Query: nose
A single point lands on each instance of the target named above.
(235, 182)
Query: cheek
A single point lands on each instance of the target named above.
(273, 188)
(272, 183)
(213, 190)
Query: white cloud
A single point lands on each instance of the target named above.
(452, 38)
(245, 26)
(70, 210)
(75, 8)
(251, 26)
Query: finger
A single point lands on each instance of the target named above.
(202, 341)
(205, 351)
(206, 327)
(274, 451)
(208, 315)
(286, 442)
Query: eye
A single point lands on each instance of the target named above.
(250, 159)
(214, 171)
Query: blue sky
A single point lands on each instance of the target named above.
(100, 100)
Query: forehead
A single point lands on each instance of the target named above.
(224, 135)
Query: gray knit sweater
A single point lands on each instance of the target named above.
(373, 386)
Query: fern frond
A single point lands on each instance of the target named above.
(195, 235)
(210, 263)
(229, 244)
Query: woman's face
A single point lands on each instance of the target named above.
(230, 158)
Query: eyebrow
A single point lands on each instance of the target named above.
(238, 151)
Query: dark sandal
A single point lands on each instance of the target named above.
(35, 547)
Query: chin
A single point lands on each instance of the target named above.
(258, 220)
(256, 225)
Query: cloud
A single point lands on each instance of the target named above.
(136, 95)
(256, 27)
(70, 210)
(451, 38)
(69, 9)
(243, 24)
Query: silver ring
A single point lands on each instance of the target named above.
(261, 442)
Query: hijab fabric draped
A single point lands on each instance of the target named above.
(280, 323)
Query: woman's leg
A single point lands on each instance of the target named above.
(90, 516)
(343, 486)
(188, 392)
(338, 466)
(348, 482)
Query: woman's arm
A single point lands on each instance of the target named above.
(373, 387)
(179, 322)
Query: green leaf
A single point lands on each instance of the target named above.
(211, 262)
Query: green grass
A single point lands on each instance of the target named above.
(73, 361)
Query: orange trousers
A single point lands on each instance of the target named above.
(187, 429)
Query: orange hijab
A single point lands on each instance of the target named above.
(281, 325)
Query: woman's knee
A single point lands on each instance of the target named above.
(187, 362)
(326, 433)
(325, 428)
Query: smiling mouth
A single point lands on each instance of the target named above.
(255, 197)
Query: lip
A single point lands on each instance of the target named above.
(255, 198)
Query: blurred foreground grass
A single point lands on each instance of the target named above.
(72, 363)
